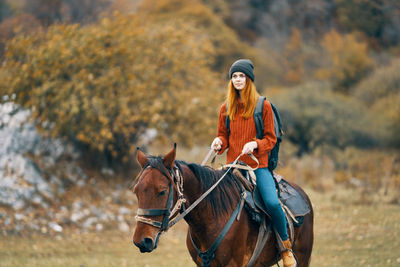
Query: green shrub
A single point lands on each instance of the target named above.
(382, 82)
(314, 116)
(381, 92)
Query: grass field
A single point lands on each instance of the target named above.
(346, 234)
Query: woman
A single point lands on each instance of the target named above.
(241, 99)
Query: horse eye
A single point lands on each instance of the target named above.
(162, 193)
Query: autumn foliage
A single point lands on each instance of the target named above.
(105, 85)
(347, 60)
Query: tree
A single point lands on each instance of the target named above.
(366, 16)
(293, 58)
(347, 61)
(228, 47)
(381, 93)
(378, 20)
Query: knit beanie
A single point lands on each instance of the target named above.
(243, 65)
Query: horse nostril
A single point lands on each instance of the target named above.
(146, 245)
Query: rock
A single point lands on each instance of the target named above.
(35, 175)
(76, 216)
(123, 227)
(99, 227)
(55, 227)
(107, 216)
(124, 211)
(19, 216)
(95, 211)
(88, 223)
(77, 205)
(18, 204)
(107, 172)
(27, 159)
(7, 221)
(34, 226)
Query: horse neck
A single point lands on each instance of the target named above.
(192, 191)
(201, 219)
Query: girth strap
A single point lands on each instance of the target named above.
(263, 234)
(207, 256)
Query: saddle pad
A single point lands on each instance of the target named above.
(292, 199)
(288, 196)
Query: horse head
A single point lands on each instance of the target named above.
(154, 190)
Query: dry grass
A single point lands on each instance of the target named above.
(111, 248)
(346, 234)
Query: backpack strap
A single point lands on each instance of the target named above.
(277, 123)
(258, 117)
(227, 121)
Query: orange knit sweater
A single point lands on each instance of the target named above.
(243, 131)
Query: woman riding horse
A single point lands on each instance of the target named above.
(219, 232)
(241, 139)
(211, 201)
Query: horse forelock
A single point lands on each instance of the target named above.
(155, 162)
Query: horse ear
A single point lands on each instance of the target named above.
(141, 158)
(169, 159)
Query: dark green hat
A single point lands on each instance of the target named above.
(243, 65)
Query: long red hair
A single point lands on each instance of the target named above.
(249, 99)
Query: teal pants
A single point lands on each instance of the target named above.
(266, 185)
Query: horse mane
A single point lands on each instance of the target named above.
(222, 198)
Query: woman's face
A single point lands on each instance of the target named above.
(239, 80)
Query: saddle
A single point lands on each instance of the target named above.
(294, 205)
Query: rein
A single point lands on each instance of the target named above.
(205, 194)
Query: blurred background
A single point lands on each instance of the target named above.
(83, 83)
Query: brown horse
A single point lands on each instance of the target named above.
(165, 188)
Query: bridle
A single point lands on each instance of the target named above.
(169, 213)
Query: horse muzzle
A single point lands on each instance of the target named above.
(147, 245)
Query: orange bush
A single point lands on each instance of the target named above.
(347, 60)
(105, 85)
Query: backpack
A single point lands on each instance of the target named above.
(258, 112)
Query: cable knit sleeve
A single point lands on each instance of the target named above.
(269, 140)
(222, 131)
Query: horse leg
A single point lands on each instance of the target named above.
(304, 241)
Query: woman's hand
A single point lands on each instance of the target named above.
(216, 144)
(249, 147)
